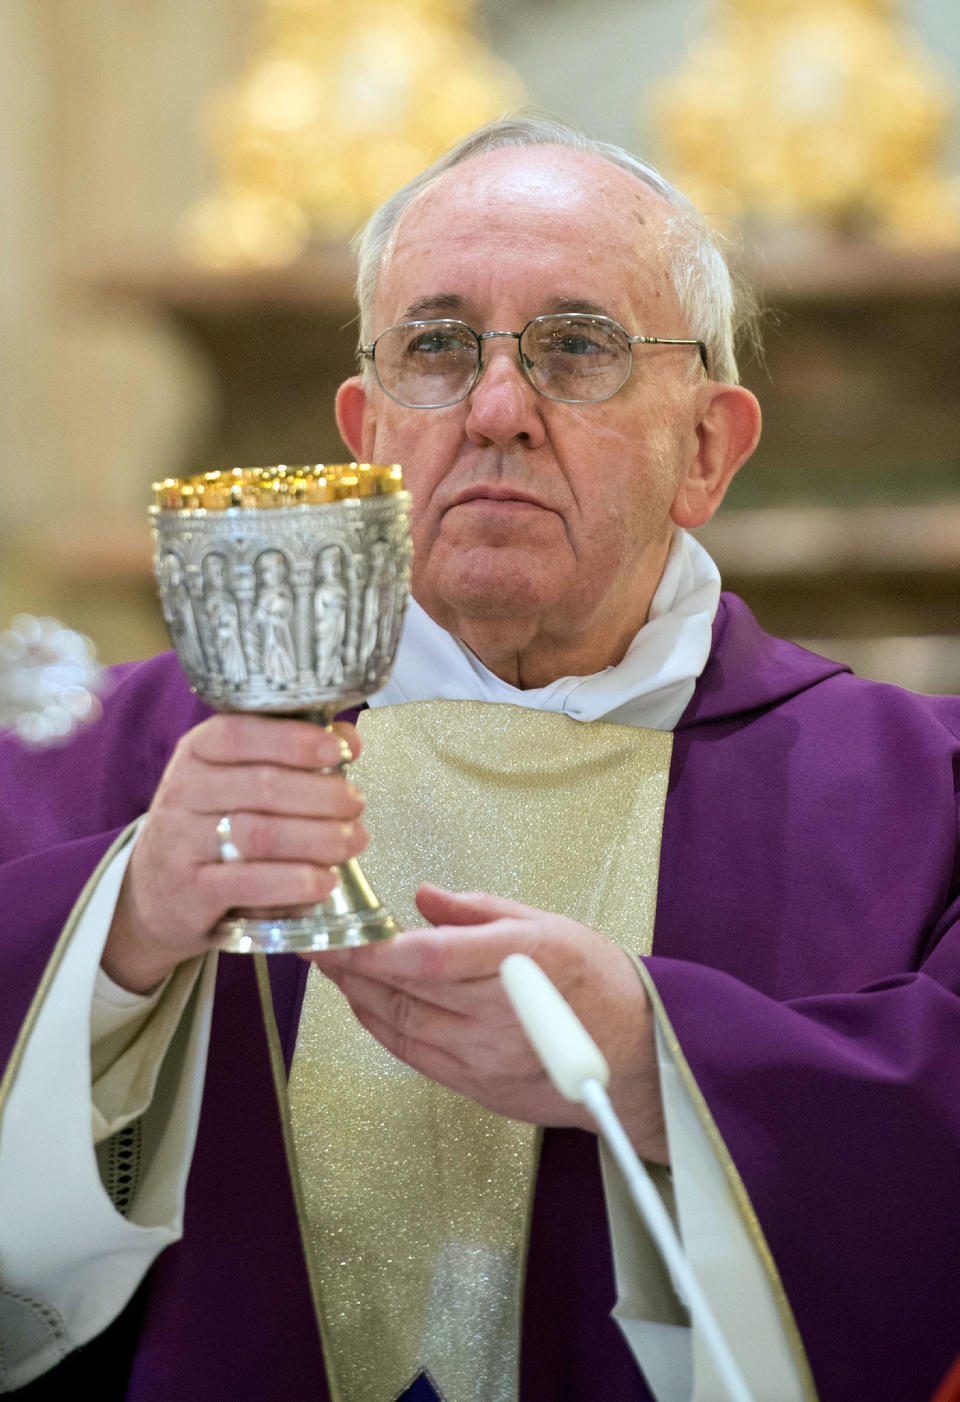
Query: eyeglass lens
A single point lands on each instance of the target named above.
(433, 363)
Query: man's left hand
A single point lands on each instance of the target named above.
(434, 999)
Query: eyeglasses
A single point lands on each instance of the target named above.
(572, 359)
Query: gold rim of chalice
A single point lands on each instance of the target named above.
(272, 488)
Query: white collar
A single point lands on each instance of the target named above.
(651, 686)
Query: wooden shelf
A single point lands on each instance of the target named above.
(838, 270)
(822, 540)
(323, 280)
(278, 343)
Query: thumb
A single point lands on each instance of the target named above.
(443, 907)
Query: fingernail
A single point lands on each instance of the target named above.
(325, 751)
(347, 830)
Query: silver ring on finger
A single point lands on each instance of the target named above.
(229, 851)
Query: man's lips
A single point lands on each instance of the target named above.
(498, 496)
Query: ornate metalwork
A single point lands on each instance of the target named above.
(290, 610)
(284, 591)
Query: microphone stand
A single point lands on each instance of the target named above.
(579, 1071)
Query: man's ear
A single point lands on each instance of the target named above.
(727, 434)
(352, 418)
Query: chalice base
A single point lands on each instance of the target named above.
(351, 915)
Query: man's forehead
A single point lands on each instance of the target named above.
(530, 171)
(530, 198)
(551, 179)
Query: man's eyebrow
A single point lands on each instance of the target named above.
(436, 304)
(576, 306)
(452, 304)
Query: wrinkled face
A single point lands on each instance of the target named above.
(214, 570)
(554, 516)
(330, 565)
(171, 566)
(271, 570)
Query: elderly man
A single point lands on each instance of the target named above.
(749, 859)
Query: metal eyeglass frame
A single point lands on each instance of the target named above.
(368, 352)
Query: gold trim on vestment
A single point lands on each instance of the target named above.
(736, 1185)
(278, 1069)
(418, 1200)
(53, 965)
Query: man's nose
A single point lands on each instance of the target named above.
(503, 405)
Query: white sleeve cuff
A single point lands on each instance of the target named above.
(651, 1318)
(725, 1249)
(69, 1262)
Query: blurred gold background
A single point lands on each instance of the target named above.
(175, 293)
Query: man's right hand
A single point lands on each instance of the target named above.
(290, 823)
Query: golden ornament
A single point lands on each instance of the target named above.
(830, 111)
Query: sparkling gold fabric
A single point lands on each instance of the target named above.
(417, 1200)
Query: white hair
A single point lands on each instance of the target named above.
(716, 309)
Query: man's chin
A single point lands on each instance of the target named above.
(503, 593)
(490, 582)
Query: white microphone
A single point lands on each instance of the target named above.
(579, 1071)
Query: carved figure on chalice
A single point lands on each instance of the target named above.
(273, 617)
(314, 564)
(223, 616)
(179, 616)
(373, 603)
(388, 625)
(330, 616)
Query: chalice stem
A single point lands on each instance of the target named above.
(351, 914)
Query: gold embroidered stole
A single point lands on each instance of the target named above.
(418, 1200)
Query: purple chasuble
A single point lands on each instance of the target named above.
(807, 952)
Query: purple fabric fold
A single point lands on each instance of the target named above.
(842, 1116)
(229, 1311)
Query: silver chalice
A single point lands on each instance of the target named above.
(283, 590)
